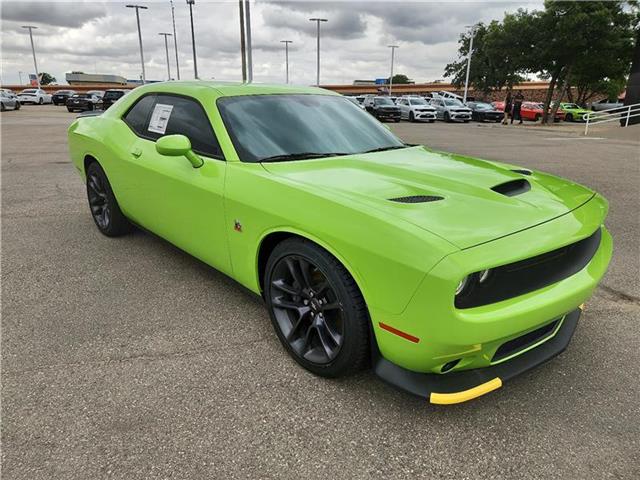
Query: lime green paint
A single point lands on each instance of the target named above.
(576, 113)
(406, 258)
(178, 146)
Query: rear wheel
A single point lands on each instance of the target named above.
(104, 208)
(2, 107)
(537, 117)
(41, 101)
(316, 309)
(569, 117)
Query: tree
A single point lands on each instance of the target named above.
(46, 79)
(400, 79)
(495, 64)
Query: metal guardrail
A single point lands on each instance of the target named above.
(615, 114)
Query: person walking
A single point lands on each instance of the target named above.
(508, 105)
(517, 107)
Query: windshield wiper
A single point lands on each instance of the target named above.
(300, 156)
(382, 149)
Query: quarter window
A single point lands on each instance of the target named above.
(138, 116)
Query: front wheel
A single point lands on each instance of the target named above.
(537, 117)
(447, 117)
(104, 208)
(316, 309)
(412, 117)
(569, 117)
(17, 107)
(41, 101)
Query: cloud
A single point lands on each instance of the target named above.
(58, 14)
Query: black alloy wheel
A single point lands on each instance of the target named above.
(447, 117)
(412, 117)
(104, 207)
(316, 308)
(569, 117)
(41, 101)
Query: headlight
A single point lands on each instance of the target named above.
(472, 280)
(483, 275)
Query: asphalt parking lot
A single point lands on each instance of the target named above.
(126, 358)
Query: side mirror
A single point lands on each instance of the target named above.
(178, 146)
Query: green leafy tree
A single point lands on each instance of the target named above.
(400, 79)
(46, 78)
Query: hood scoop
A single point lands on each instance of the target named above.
(417, 199)
(513, 187)
(522, 171)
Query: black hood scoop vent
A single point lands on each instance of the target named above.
(522, 171)
(417, 199)
(513, 187)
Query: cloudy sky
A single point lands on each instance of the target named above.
(101, 36)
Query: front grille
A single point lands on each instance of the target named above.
(524, 341)
(514, 279)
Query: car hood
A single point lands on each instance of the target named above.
(469, 212)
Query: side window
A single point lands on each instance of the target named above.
(138, 116)
(187, 117)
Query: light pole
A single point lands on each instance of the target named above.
(318, 20)
(138, 7)
(191, 3)
(393, 50)
(286, 57)
(33, 50)
(166, 48)
(466, 81)
(20, 75)
(175, 39)
(247, 12)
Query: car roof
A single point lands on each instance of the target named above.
(229, 89)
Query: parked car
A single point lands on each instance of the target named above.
(416, 109)
(112, 96)
(83, 101)
(355, 101)
(382, 108)
(34, 95)
(573, 112)
(451, 110)
(60, 97)
(483, 111)
(449, 274)
(9, 100)
(533, 111)
(606, 104)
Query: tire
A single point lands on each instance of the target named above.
(397, 120)
(318, 314)
(412, 117)
(431, 121)
(447, 117)
(17, 107)
(466, 121)
(2, 107)
(103, 204)
(569, 117)
(70, 110)
(537, 117)
(41, 101)
(90, 107)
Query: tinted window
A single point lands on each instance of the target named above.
(113, 95)
(188, 118)
(138, 116)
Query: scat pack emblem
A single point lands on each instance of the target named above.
(237, 226)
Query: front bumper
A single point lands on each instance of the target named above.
(428, 115)
(459, 116)
(472, 336)
(466, 385)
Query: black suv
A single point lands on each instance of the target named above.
(382, 108)
(111, 96)
(61, 96)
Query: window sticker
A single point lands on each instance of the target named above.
(160, 118)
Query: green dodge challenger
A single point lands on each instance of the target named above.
(447, 274)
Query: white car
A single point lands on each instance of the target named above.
(355, 101)
(34, 95)
(9, 100)
(416, 109)
(451, 110)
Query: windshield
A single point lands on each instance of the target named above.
(569, 105)
(113, 94)
(483, 106)
(453, 103)
(264, 126)
(383, 101)
(417, 101)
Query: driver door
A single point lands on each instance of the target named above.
(167, 195)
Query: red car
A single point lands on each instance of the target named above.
(531, 111)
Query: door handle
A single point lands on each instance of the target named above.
(136, 152)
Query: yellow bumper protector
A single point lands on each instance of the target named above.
(459, 397)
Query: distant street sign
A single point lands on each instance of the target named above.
(381, 81)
